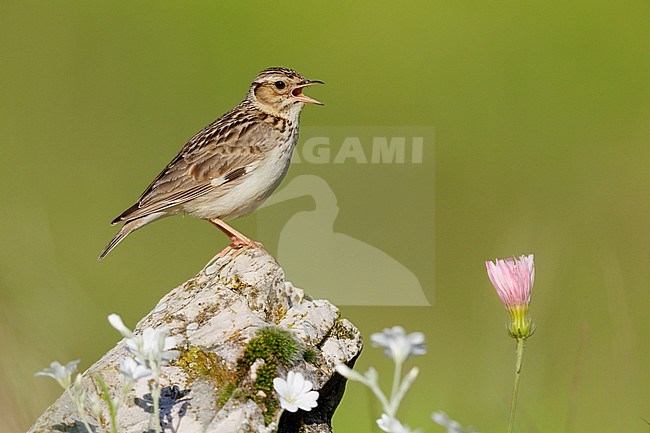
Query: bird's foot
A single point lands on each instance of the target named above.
(241, 245)
(245, 243)
(237, 246)
(239, 241)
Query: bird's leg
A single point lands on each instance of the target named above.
(239, 241)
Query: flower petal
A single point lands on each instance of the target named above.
(117, 323)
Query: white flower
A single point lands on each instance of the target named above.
(295, 392)
(397, 345)
(348, 373)
(152, 348)
(132, 371)
(390, 424)
(117, 323)
(78, 384)
(61, 373)
(387, 423)
(452, 426)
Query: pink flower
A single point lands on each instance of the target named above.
(513, 280)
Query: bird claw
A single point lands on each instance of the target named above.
(238, 246)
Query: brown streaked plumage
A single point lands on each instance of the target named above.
(230, 167)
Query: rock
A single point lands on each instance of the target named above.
(238, 324)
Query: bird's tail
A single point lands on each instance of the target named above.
(127, 228)
(124, 232)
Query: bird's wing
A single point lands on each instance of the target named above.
(216, 159)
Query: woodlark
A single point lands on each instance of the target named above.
(230, 167)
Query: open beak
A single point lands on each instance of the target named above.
(299, 96)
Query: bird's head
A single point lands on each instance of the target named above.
(279, 91)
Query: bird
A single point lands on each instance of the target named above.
(230, 167)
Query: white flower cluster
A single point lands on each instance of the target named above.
(392, 425)
(151, 350)
(398, 346)
(63, 376)
(61, 373)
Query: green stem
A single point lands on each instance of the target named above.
(113, 422)
(154, 365)
(521, 343)
(155, 396)
(385, 404)
(106, 395)
(80, 410)
(397, 376)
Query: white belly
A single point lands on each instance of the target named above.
(248, 195)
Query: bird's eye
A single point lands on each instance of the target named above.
(280, 85)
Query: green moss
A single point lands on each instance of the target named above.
(272, 345)
(264, 380)
(309, 355)
(227, 391)
(271, 406)
(276, 347)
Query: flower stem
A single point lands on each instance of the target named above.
(385, 404)
(113, 414)
(106, 395)
(521, 343)
(80, 410)
(397, 377)
(155, 397)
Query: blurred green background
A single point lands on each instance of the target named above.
(541, 112)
